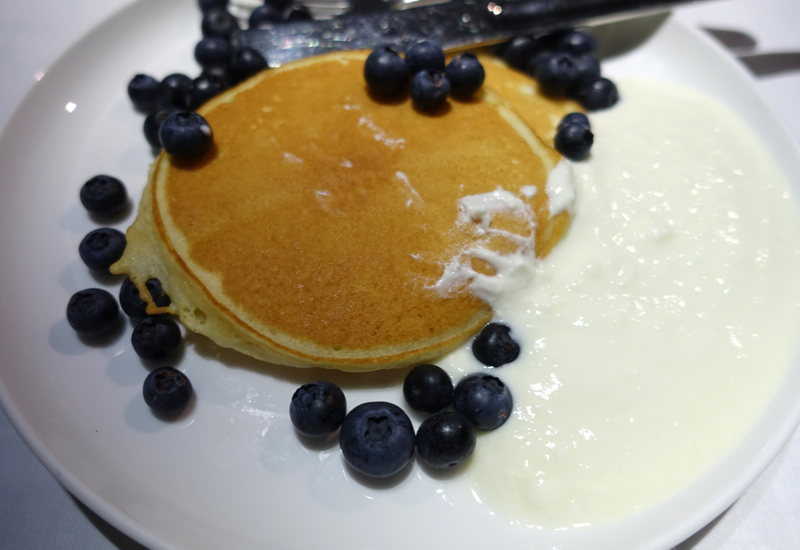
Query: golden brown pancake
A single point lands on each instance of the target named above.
(314, 231)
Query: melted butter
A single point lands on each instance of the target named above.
(655, 334)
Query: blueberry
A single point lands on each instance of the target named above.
(152, 125)
(219, 23)
(557, 74)
(208, 5)
(104, 195)
(143, 91)
(535, 60)
(186, 135)
(101, 248)
(429, 89)
(600, 94)
(167, 390)
(465, 74)
(428, 388)
(446, 439)
(133, 305)
(264, 16)
(551, 40)
(318, 409)
(223, 74)
(297, 12)
(377, 439)
(520, 50)
(156, 338)
(213, 52)
(92, 312)
(246, 62)
(577, 43)
(575, 118)
(425, 55)
(574, 140)
(172, 90)
(587, 69)
(385, 71)
(484, 399)
(494, 346)
(204, 87)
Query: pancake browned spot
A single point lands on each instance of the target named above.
(314, 230)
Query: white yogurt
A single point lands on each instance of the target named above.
(656, 332)
(513, 271)
(560, 188)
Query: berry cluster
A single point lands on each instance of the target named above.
(564, 66)
(170, 102)
(574, 136)
(94, 312)
(386, 73)
(378, 439)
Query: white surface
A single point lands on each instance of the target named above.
(35, 512)
(638, 349)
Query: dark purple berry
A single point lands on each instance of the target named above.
(385, 71)
(577, 43)
(535, 60)
(186, 135)
(318, 409)
(484, 399)
(575, 118)
(429, 89)
(600, 94)
(101, 248)
(588, 70)
(520, 50)
(377, 439)
(446, 439)
(172, 90)
(143, 91)
(133, 305)
(223, 74)
(245, 63)
(574, 141)
(92, 312)
(219, 23)
(152, 125)
(428, 388)
(213, 52)
(156, 338)
(265, 15)
(167, 390)
(203, 88)
(465, 74)
(557, 74)
(423, 56)
(104, 195)
(494, 346)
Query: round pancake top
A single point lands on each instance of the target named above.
(326, 213)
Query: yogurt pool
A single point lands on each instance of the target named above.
(655, 334)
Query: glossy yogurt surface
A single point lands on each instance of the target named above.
(655, 334)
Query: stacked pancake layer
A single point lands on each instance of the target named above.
(315, 230)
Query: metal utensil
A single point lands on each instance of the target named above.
(454, 25)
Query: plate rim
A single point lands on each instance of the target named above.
(133, 528)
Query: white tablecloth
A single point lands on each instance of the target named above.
(36, 512)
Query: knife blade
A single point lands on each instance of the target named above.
(455, 25)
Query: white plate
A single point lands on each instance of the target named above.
(230, 472)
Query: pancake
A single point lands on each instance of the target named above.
(314, 231)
